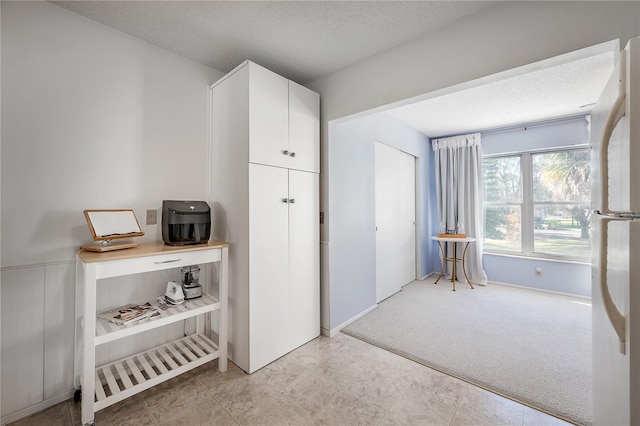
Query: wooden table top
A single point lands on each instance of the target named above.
(145, 249)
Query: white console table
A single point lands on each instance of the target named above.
(107, 384)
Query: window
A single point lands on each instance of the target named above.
(537, 204)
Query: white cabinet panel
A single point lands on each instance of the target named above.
(304, 128)
(268, 117)
(117, 268)
(59, 314)
(284, 125)
(304, 264)
(22, 337)
(274, 304)
(269, 270)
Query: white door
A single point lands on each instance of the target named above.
(395, 220)
(268, 117)
(616, 270)
(269, 264)
(304, 255)
(304, 128)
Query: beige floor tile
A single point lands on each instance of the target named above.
(433, 384)
(340, 370)
(280, 373)
(336, 381)
(74, 409)
(130, 412)
(415, 408)
(536, 418)
(240, 397)
(377, 389)
(311, 392)
(318, 351)
(480, 407)
(347, 409)
(275, 411)
(205, 413)
(57, 415)
(173, 396)
(212, 379)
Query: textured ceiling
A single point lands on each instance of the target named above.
(301, 40)
(562, 90)
(307, 40)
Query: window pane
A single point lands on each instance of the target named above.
(502, 228)
(562, 230)
(501, 180)
(562, 176)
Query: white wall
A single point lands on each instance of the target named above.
(92, 118)
(503, 37)
(509, 35)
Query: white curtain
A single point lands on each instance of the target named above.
(459, 195)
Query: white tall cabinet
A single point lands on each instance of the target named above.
(265, 202)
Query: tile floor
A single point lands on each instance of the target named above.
(328, 381)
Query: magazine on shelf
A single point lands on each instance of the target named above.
(127, 314)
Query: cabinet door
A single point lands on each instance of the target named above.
(268, 117)
(304, 128)
(268, 264)
(304, 260)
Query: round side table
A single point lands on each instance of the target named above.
(454, 259)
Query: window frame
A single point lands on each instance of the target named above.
(528, 205)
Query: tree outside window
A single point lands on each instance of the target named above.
(538, 204)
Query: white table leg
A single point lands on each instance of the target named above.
(224, 304)
(89, 348)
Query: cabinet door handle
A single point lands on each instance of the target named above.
(293, 200)
(285, 200)
(168, 261)
(285, 152)
(293, 154)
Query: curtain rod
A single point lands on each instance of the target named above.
(524, 126)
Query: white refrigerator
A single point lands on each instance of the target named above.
(615, 177)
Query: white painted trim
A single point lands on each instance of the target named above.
(604, 47)
(38, 265)
(535, 256)
(428, 275)
(336, 330)
(209, 145)
(32, 409)
(543, 290)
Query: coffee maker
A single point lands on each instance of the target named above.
(190, 285)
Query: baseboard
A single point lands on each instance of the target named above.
(543, 290)
(32, 409)
(427, 276)
(336, 330)
(330, 333)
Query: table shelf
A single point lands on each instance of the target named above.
(121, 379)
(107, 331)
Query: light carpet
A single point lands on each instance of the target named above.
(530, 346)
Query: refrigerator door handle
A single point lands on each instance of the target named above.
(615, 115)
(617, 320)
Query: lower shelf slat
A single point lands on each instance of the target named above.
(147, 369)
